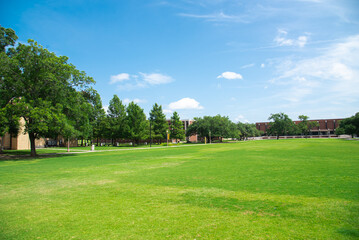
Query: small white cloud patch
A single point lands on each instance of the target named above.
(241, 118)
(156, 78)
(185, 103)
(282, 40)
(142, 80)
(136, 100)
(119, 78)
(230, 75)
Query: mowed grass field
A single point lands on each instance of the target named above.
(274, 189)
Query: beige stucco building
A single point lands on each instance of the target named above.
(22, 141)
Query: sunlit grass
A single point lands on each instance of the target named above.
(285, 189)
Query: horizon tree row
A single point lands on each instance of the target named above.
(130, 122)
(282, 125)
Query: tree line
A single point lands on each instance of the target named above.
(56, 99)
(130, 122)
(282, 125)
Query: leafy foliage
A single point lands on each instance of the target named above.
(176, 127)
(7, 38)
(349, 125)
(46, 88)
(116, 118)
(158, 122)
(136, 123)
(216, 126)
(247, 130)
(281, 124)
(304, 126)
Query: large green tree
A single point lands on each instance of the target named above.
(7, 38)
(213, 127)
(116, 118)
(176, 127)
(349, 126)
(136, 123)
(97, 117)
(247, 130)
(43, 86)
(158, 121)
(281, 124)
(305, 125)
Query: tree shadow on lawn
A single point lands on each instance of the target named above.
(349, 232)
(247, 207)
(25, 156)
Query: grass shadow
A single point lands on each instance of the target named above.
(26, 156)
(349, 232)
(247, 207)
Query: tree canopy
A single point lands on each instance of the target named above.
(176, 127)
(281, 124)
(247, 130)
(158, 123)
(136, 123)
(45, 89)
(116, 118)
(216, 126)
(349, 126)
(305, 125)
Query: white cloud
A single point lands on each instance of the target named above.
(167, 111)
(105, 107)
(156, 78)
(263, 65)
(248, 66)
(282, 40)
(334, 74)
(230, 75)
(185, 103)
(142, 80)
(217, 17)
(136, 100)
(119, 78)
(241, 118)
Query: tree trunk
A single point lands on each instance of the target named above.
(1, 143)
(32, 144)
(68, 144)
(10, 141)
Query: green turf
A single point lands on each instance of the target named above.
(285, 189)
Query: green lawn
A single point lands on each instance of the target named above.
(274, 189)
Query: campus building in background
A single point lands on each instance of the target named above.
(325, 127)
(21, 141)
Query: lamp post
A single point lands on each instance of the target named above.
(210, 141)
(167, 136)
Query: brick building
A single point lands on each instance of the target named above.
(326, 126)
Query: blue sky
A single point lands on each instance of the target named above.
(242, 59)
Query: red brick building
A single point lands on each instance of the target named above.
(326, 126)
